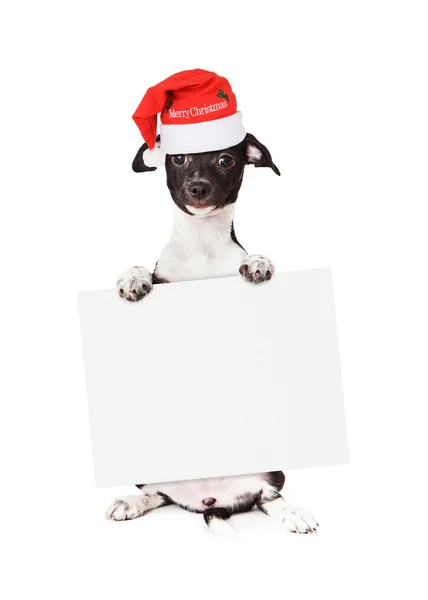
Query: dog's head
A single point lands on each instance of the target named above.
(203, 184)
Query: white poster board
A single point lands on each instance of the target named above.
(213, 378)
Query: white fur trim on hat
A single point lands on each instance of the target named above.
(202, 137)
(154, 158)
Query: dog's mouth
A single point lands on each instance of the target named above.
(200, 209)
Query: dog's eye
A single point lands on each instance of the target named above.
(225, 161)
(179, 159)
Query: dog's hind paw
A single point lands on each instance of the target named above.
(256, 268)
(129, 507)
(134, 284)
(297, 520)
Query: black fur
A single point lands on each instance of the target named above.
(234, 238)
(265, 159)
(246, 502)
(166, 499)
(276, 479)
(138, 163)
(222, 183)
(216, 513)
(156, 279)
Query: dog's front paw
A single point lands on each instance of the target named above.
(129, 507)
(256, 268)
(134, 284)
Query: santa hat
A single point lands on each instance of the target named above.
(198, 114)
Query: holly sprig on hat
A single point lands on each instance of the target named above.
(221, 94)
(169, 104)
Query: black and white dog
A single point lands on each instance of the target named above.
(203, 245)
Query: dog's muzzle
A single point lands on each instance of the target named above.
(199, 193)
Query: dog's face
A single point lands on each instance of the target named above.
(203, 184)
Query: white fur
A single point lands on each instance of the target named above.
(200, 248)
(222, 529)
(201, 211)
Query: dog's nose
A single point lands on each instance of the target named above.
(209, 501)
(200, 189)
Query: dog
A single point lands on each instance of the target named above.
(203, 244)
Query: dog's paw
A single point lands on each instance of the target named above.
(134, 284)
(297, 520)
(256, 268)
(129, 507)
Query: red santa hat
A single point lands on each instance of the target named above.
(198, 114)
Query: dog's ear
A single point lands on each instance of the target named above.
(257, 154)
(151, 160)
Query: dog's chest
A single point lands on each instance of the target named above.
(202, 251)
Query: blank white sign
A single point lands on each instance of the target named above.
(212, 378)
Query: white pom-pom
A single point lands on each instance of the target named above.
(154, 158)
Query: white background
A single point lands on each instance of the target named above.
(338, 92)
